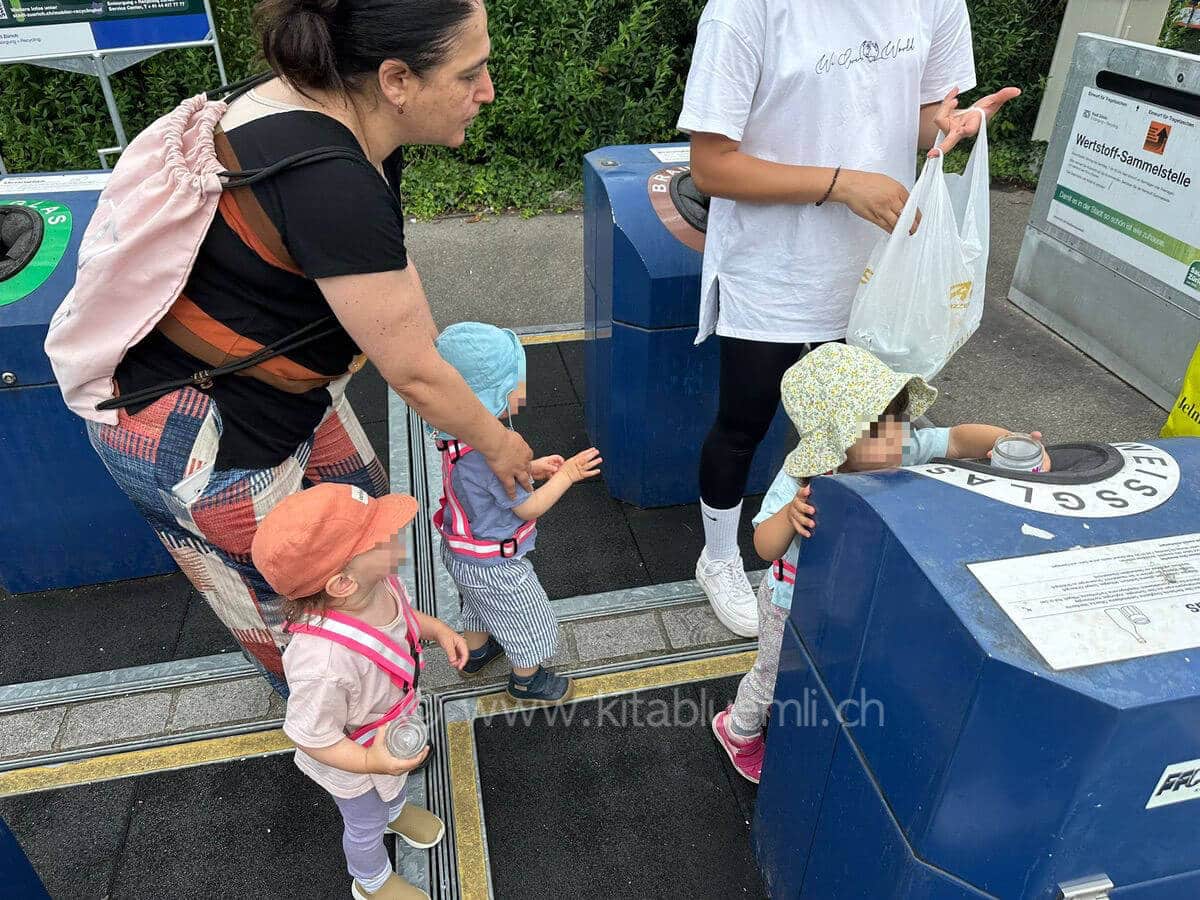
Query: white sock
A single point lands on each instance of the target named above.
(721, 531)
(371, 885)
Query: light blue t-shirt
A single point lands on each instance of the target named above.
(922, 445)
(488, 507)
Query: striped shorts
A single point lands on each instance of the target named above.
(508, 602)
(151, 453)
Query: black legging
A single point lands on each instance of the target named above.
(750, 374)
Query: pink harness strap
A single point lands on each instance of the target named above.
(366, 734)
(451, 519)
(402, 664)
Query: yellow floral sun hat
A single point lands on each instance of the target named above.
(833, 395)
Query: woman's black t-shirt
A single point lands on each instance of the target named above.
(335, 217)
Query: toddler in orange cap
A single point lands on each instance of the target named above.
(353, 664)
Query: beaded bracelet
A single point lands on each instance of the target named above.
(836, 173)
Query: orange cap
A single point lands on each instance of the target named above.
(311, 535)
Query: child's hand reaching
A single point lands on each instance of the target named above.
(446, 637)
(455, 646)
(582, 466)
(1037, 436)
(578, 468)
(380, 762)
(800, 513)
(546, 466)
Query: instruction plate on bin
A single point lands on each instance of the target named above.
(54, 183)
(1102, 604)
(672, 154)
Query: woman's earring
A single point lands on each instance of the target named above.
(400, 108)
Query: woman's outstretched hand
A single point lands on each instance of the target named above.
(957, 124)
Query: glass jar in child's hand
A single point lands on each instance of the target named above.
(406, 736)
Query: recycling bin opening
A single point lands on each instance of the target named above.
(20, 237)
(1076, 463)
(691, 203)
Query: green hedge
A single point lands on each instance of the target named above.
(1186, 39)
(570, 75)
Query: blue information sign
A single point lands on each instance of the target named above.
(57, 28)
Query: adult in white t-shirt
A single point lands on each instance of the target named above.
(805, 119)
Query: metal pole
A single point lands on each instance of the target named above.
(3, 171)
(111, 101)
(216, 43)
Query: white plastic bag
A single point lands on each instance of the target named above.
(921, 295)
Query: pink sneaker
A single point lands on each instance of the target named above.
(746, 754)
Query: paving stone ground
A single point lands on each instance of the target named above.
(116, 719)
(244, 702)
(31, 732)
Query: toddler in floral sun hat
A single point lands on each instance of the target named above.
(852, 414)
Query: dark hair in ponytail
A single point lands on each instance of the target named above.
(333, 44)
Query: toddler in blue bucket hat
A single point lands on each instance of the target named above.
(486, 534)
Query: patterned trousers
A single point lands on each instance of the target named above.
(756, 691)
(208, 531)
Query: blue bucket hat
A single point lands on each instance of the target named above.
(490, 359)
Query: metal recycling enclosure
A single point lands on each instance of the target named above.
(1111, 255)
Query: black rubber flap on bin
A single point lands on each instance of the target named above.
(1075, 463)
(691, 203)
(20, 237)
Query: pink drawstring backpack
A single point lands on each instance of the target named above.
(139, 248)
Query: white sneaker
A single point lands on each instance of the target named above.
(724, 583)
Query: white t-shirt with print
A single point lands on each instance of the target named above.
(813, 83)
